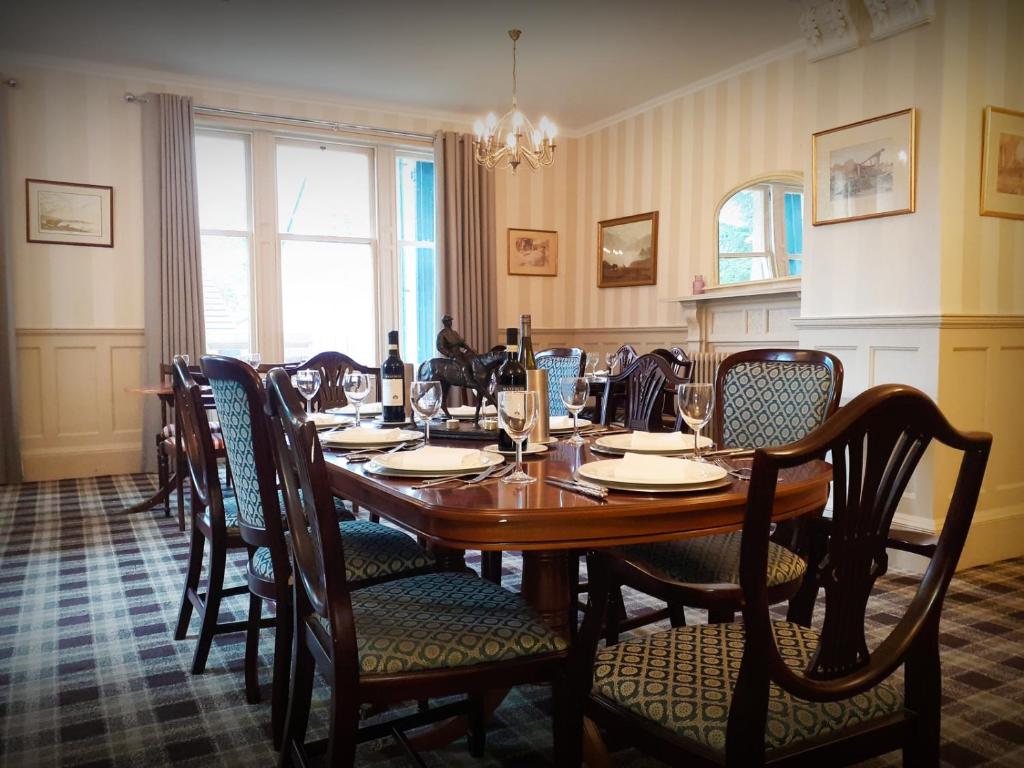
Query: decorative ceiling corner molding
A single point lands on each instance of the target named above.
(828, 28)
(890, 17)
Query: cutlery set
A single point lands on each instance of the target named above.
(491, 473)
(579, 486)
(368, 454)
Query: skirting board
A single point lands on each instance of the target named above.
(81, 461)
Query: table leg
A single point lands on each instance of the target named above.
(156, 498)
(546, 587)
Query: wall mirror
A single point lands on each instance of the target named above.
(759, 228)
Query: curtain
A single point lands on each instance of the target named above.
(173, 270)
(10, 454)
(465, 240)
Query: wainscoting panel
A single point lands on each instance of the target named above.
(76, 418)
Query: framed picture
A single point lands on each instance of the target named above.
(69, 214)
(627, 251)
(1002, 163)
(532, 252)
(865, 169)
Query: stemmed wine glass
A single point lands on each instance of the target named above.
(357, 387)
(591, 371)
(574, 393)
(425, 397)
(253, 359)
(308, 384)
(610, 359)
(517, 415)
(695, 402)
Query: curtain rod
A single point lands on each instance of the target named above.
(302, 121)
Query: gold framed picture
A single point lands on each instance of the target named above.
(627, 251)
(62, 213)
(865, 169)
(532, 252)
(1002, 163)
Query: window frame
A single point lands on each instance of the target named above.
(400, 244)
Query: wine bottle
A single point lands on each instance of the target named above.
(511, 378)
(392, 376)
(526, 344)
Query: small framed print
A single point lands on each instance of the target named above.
(627, 251)
(1002, 163)
(532, 252)
(865, 169)
(64, 213)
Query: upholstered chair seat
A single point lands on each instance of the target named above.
(683, 680)
(372, 551)
(710, 560)
(444, 620)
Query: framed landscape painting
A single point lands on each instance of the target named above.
(1002, 163)
(627, 251)
(69, 214)
(532, 252)
(865, 169)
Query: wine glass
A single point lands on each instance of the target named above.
(574, 393)
(425, 397)
(253, 359)
(591, 371)
(695, 402)
(308, 384)
(610, 359)
(357, 388)
(517, 415)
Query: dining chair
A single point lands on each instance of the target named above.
(333, 366)
(681, 363)
(767, 691)
(373, 552)
(644, 383)
(763, 397)
(418, 638)
(213, 516)
(560, 363)
(612, 399)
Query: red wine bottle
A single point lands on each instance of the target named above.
(392, 376)
(511, 378)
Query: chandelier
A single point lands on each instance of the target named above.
(512, 139)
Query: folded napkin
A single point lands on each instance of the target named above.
(360, 435)
(433, 458)
(564, 422)
(327, 419)
(367, 409)
(644, 468)
(469, 410)
(660, 441)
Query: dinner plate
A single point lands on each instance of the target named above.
(611, 485)
(432, 460)
(635, 471)
(467, 412)
(528, 449)
(559, 424)
(368, 409)
(365, 437)
(623, 443)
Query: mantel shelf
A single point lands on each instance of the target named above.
(786, 287)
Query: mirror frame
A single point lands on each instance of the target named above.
(796, 177)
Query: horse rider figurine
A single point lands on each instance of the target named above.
(461, 366)
(451, 344)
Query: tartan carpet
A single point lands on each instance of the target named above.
(90, 675)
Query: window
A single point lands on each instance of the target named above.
(225, 228)
(418, 315)
(760, 232)
(327, 232)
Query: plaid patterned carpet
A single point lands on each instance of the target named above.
(90, 675)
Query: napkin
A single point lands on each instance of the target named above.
(642, 468)
(327, 419)
(433, 458)
(366, 435)
(368, 409)
(469, 410)
(660, 441)
(564, 422)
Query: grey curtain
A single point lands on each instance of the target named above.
(465, 240)
(10, 454)
(173, 270)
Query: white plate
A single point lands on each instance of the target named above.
(365, 437)
(622, 443)
(564, 424)
(529, 448)
(651, 471)
(464, 412)
(640, 488)
(368, 409)
(404, 464)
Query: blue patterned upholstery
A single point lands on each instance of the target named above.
(683, 680)
(767, 402)
(230, 511)
(233, 413)
(558, 368)
(443, 620)
(372, 551)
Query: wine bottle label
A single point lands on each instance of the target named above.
(511, 347)
(392, 347)
(393, 392)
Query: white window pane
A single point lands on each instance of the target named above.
(415, 185)
(222, 170)
(226, 298)
(740, 270)
(325, 190)
(741, 226)
(420, 319)
(328, 298)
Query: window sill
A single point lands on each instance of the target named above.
(781, 287)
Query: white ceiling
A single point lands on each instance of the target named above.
(579, 60)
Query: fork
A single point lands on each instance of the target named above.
(460, 478)
(741, 473)
(369, 455)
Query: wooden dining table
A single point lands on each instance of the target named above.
(550, 525)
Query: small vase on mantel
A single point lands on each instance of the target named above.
(698, 284)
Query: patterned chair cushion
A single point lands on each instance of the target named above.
(711, 560)
(372, 551)
(768, 403)
(230, 511)
(443, 620)
(683, 680)
(558, 368)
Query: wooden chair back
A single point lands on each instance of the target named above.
(681, 364)
(241, 408)
(647, 382)
(625, 355)
(769, 397)
(560, 363)
(197, 441)
(333, 366)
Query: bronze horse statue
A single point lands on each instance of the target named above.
(475, 375)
